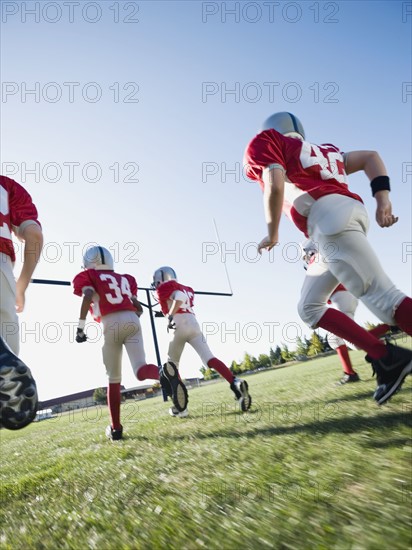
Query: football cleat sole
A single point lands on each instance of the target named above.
(179, 392)
(18, 392)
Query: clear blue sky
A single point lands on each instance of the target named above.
(156, 101)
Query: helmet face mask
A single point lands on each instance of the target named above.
(285, 123)
(162, 275)
(98, 257)
(309, 249)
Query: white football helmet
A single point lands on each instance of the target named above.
(162, 275)
(309, 249)
(97, 257)
(284, 123)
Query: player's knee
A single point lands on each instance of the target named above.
(310, 313)
(334, 341)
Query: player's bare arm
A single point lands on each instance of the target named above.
(273, 193)
(86, 303)
(372, 164)
(176, 305)
(33, 243)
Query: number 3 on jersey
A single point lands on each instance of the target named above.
(118, 292)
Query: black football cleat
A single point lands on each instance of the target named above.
(18, 391)
(114, 435)
(348, 379)
(391, 372)
(241, 390)
(179, 394)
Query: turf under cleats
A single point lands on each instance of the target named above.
(18, 392)
(391, 372)
(241, 390)
(174, 412)
(348, 379)
(114, 435)
(178, 389)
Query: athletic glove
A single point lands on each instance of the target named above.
(172, 324)
(80, 336)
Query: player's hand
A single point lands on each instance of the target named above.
(20, 295)
(80, 336)
(266, 244)
(384, 216)
(171, 325)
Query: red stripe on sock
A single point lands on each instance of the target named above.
(113, 401)
(338, 323)
(403, 315)
(343, 354)
(221, 368)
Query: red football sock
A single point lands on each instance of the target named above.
(403, 315)
(338, 323)
(380, 330)
(113, 402)
(221, 368)
(343, 353)
(148, 371)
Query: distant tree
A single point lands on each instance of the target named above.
(316, 345)
(287, 355)
(276, 356)
(248, 363)
(209, 374)
(236, 368)
(301, 347)
(100, 395)
(263, 362)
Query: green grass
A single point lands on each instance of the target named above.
(312, 466)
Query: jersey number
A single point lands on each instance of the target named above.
(188, 303)
(311, 155)
(118, 292)
(4, 210)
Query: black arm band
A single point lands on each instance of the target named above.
(381, 183)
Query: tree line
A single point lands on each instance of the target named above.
(305, 349)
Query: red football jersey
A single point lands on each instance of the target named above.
(16, 207)
(311, 171)
(165, 291)
(114, 291)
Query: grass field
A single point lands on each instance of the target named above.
(312, 466)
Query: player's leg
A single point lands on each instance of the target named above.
(354, 263)
(347, 303)
(238, 386)
(170, 370)
(112, 359)
(18, 396)
(9, 328)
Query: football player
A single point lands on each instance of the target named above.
(309, 183)
(176, 301)
(112, 298)
(18, 215)
(342, 300)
